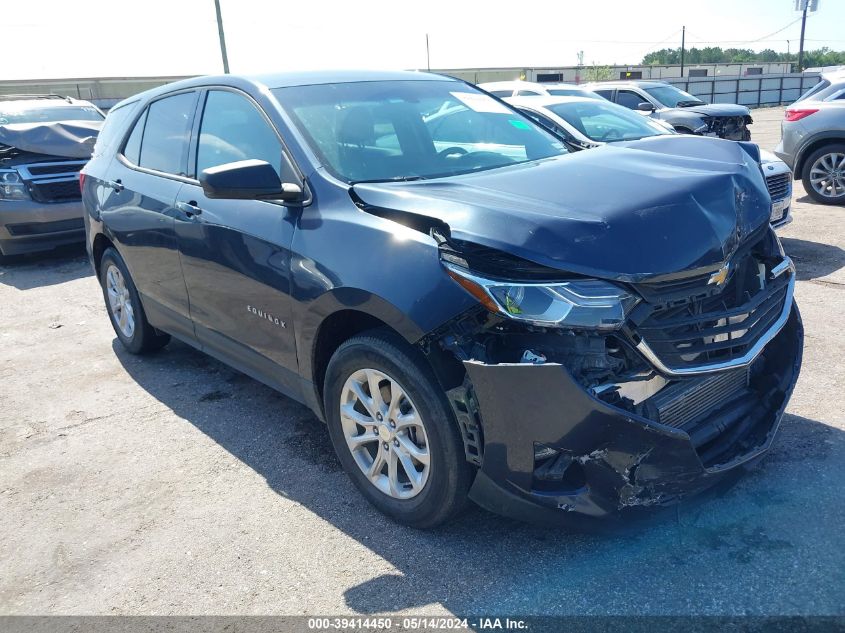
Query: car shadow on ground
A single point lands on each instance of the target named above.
(45, 269)
(813, 259)
(713, 547)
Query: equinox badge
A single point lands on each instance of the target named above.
(266, 315)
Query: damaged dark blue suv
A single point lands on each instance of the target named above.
(472, 311)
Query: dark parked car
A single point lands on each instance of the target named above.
(473, 312)
(44, 142)
(686, 113)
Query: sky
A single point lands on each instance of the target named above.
(127, 38)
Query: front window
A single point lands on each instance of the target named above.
(407, 130)
(50, 115)
(673, 97)
(605, 122)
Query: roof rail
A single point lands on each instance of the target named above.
(22, 97)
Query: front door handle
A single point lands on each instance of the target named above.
(189, 208)
(115, 185)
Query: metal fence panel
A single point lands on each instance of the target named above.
(770, 89)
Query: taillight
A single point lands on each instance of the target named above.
(797, 115)
(81, 181)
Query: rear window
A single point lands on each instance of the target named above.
(812, 92)
(113, 128)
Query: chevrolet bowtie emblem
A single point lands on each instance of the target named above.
(720, 276)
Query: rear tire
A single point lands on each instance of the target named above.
(372, 430)
(124, 307)
(826, 166)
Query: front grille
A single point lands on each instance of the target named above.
(42, 228)
(63, 168)
(55, 191)
(714, 329)
(686, 401)
(778, 185)
(727, 126)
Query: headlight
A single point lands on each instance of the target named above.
(11, 186)
(580, 303)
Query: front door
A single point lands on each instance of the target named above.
(236, 253)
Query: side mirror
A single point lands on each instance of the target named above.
(247, 180)
(645, 106)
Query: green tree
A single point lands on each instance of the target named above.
(717, 55)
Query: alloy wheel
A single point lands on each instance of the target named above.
(385, 433)
(827, 175)
(120, 301)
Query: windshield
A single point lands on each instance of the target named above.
(406, 130)
(49, 115)
(673, 97)
(606, 122)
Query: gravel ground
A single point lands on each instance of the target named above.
(174, 485)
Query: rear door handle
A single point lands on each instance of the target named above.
(189, 208)
(115, 184)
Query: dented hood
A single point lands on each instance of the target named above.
(70, 139)
(626, 211)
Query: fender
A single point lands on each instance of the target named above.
(341, 299)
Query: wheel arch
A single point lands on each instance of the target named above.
(811, 145)
(99, 246)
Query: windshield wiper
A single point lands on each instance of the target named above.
(689, 102)
(394, 179)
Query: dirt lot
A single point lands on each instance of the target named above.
(173, 485)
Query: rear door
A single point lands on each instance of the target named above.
(236, 253)
(139, 212)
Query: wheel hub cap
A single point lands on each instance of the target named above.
(120, 303)
(385, 433)
(827, 175)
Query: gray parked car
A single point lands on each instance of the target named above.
(686, 113)
(813, 143)
(588, 123)
(45, 140)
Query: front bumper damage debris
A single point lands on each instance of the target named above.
(577, 428)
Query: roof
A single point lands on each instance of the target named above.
(286, 80)
(544, 101)
(645, 83)
(26, 102)
(307, 78)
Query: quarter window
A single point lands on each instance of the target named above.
(233, 129)
(167, 131)
(132, 150)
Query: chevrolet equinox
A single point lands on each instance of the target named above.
(473, 312)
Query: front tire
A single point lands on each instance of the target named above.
(394, 432)
(124, 307)
(823, 174)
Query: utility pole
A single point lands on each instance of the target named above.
(801, 46)
(222, 37)
(427, 54)
(805, 6)
(683, 36)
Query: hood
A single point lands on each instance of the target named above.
(627, 211)
(718, 109)
(69, 139)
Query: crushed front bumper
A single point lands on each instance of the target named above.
(27, 226)
(626, 462)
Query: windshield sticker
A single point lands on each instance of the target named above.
(519, 125)
(481, 103)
